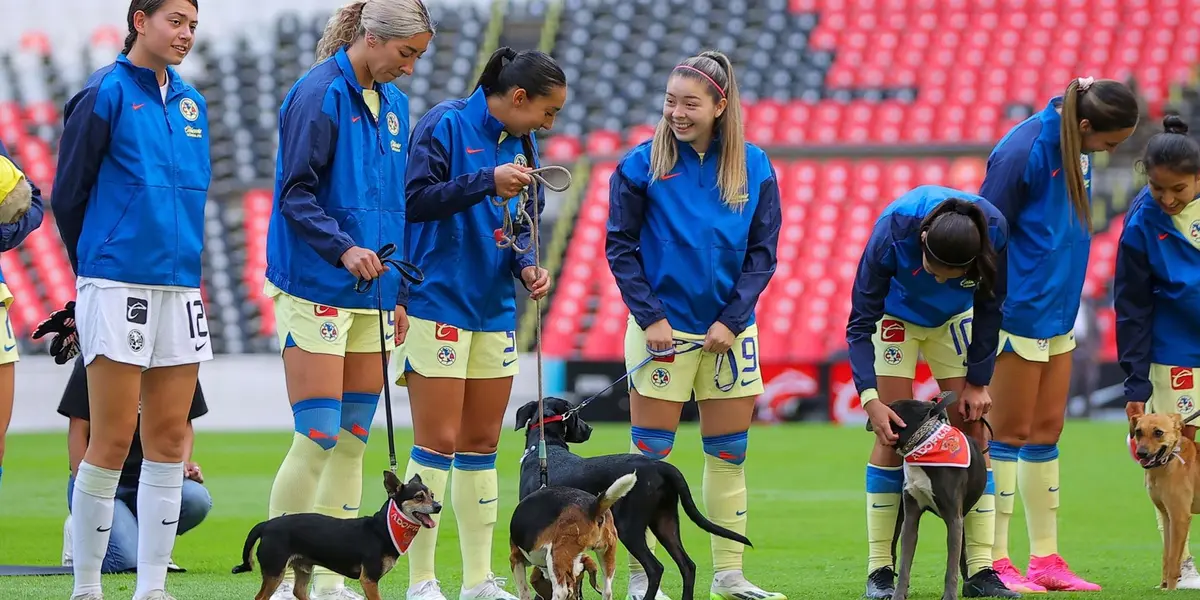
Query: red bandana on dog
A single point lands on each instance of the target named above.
(401, 529)
(947, 447)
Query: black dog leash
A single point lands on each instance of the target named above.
(413, 274)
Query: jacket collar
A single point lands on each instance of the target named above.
(343, 62)
(147, 79)
(477, 111)
(1052, 121)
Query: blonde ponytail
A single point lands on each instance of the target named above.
(341, 30)
(385, 19)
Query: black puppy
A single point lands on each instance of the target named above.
(365, 548)
(944, 473)
(652, 503)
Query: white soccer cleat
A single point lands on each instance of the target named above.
(89, 596)
(425, 590)
(638, 582)
(284, 591)
(67, 559)
(492, 588)
(1189, 578)
(341, 593)
(157, 595)
(732, 585)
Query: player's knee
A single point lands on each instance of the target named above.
(730, 447)
(653, 443)
(319, 420)
(358, 412)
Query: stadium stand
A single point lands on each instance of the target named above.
(856, 101)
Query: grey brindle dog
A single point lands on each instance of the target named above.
(946, 491)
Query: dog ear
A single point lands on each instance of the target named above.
(525, 415)
(391, 483)
(416, 479)
(1177, 421)
(1134, 411)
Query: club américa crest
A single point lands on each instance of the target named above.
(892, 355)
(446, 356)
(189, 110)
(660, 378)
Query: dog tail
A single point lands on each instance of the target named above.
(677, 481)
(615, 492)
(251, 539)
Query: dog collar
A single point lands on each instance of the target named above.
(538, 422)
(401, 529)
(923, 433)
(946, 446)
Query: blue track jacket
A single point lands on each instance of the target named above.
(12, 234)
(1048, 246)
(892, 279)
(1156, 294)
(452, 218)
(678, 252)
(339, 179)
(132, 179)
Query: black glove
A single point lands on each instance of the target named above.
(64, 345)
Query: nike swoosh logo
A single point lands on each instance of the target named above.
(138, 106)
(8, 348)
(741, 512)
(873, 505)
(474, 150)
(510, 361)
(1006, 494)
(916, 272)
(482, 501)
(671, 176)
(985, 510)
(746, 383)
(347, 507)
(201, 346)
(1052, 490)
(1163, 236)
(98, 529)
(354, 119)
(1054, 173)
(166, 522)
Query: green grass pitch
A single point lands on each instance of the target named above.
(806, 514)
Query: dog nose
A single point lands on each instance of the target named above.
(437, 507)
(1142, 453)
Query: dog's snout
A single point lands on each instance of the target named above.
(1143, 453)
(437, 507)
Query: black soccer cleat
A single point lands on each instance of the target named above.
(987, 584)
(881, 584)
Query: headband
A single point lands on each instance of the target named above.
(704, 75)
(962, 209)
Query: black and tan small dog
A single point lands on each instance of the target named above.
(365, 548)
(553, 527)
(944, 473)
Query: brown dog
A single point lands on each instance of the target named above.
(553, 527)
(543, 589)
(1159, 444)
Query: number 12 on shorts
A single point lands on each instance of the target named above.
(197, 324)
(960, 335)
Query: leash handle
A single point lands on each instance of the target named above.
(406, 269)
(671, 351)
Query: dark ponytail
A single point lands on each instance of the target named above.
(531, 70)
(149, 7)
(1173, 149)
(956, 236)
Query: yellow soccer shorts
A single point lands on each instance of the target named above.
(944, 347)
(433, 349)
(330, 330)
(1174, 390)
(8, 352)
(1036, 350)
(676, 378)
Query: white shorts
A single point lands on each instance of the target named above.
(141, 326)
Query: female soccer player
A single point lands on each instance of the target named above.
(470, 159)
(693, 226)
(1039, 176)
(133, 173)
(927, 283)
(1157, 288)
(343, 135)
(16, 189)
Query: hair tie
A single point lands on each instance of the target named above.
(1084, 83)
(704, 75)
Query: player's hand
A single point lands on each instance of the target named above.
(1134, 408)
(363, 263)
(401, 324)
(511, 179)
(659, 336)
(975, 403)
(719, 338)
(882, 417)
(537, 281)
(191, 471)
(64, 341)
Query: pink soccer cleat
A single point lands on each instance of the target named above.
(1013, 579)
(1052, 573)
